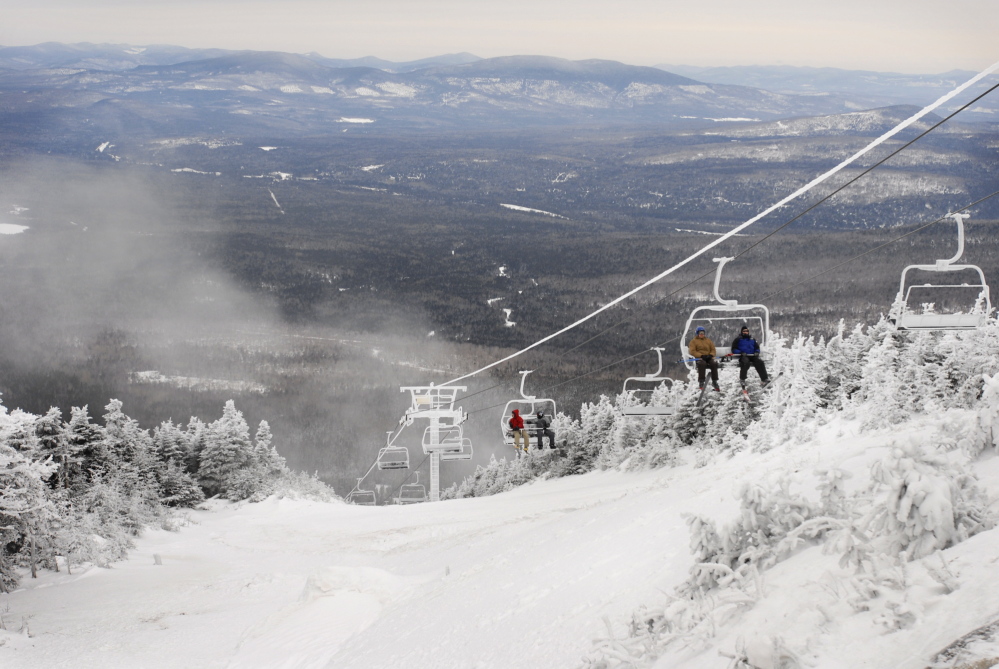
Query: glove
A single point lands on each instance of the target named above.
(707, 357)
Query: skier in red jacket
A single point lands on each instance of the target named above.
(519, 433)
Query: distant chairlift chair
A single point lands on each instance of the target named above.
(412, 493)
(451, 443)
(393, 457)
(975, 317)
(731, 316)
(361, 496)
(645, 386)
(529, 405)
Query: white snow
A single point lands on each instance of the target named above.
(194, 171)
(493, 300)
(276, 203)
(517, 207)
(369, 168)
(103, 146)
(526, 578)
(267, 148)
(502, 270)
(290, 88)
(344, 119)
(704, 232)
(195, 383)
(11, 228)
(699, 89)
(506, 316)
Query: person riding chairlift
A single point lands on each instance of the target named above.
(748, 351)
(542, 428)
(704, 350)
(519, 432)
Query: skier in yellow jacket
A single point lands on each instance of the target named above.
(703, 349)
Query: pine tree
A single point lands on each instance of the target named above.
(27, 513)
(54, 443)
(227, 452)
(170, 444)
(87, 443)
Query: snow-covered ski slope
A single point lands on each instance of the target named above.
(526, 578)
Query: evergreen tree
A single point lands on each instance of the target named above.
(170, 444)
(87, 443)
(54, 443)
(227, 452)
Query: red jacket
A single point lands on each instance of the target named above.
(516, 422)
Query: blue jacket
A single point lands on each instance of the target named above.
(745, 344)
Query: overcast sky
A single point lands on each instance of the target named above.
(915, 36)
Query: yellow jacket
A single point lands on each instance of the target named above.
(699, 347)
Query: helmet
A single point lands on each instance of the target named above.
(700, 328)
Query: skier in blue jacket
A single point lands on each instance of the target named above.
(748, 351)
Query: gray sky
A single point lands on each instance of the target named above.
(915, 36)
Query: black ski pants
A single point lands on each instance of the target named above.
(746, 360)
(704, 365)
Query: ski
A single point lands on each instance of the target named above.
(700, 399)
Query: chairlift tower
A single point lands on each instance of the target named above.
(443, 437)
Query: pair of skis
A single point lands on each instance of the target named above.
(770, 384)
(745, 391)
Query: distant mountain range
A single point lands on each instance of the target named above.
(870, 89)
(117, 90)
(164, 89)
(117, 57)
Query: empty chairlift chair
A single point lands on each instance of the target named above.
(723, 322)
(412, 493)
(451, 442)
(360, 496)
(642, 388)
(528, 405)
(971, 315)
(393, 457)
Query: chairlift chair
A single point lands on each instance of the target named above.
(646, 385)
(904, 318)
(528, 405)
(360, 496)
(464, 454)
(729, 313)
(412, 493)
(393, 457)
(450, 440)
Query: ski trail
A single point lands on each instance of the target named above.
(276, 203)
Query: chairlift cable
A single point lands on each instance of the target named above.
(731, 233)
(814, 276)
(878, 248)
(771, 234)
(795, 218)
